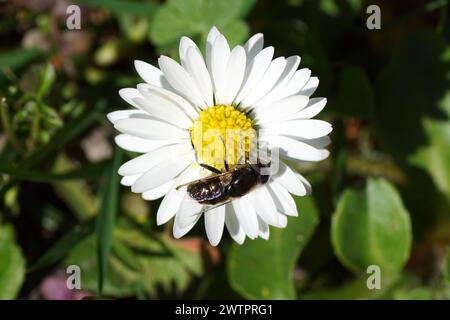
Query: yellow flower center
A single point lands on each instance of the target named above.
(222, 133)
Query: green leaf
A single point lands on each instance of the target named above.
(435, 157)
(63, 246)
(406, 97)
(120, 280)
(106, 219)
(409, 286)
(121, 7)
(353, 289)
(372, 227)
(166, 272)
(413, 123)
(261, 269)
(155, 263)
(163, 261)
(195, 18)
(12, 264)
(355, 95)
(190, 260)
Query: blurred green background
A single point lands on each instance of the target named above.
(382, 198)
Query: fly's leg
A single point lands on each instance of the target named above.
(210, 168)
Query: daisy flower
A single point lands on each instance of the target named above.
(241, 88)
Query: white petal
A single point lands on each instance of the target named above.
(254, 71)
(135, 144)
(268, 204)
(176, 99)
(282, 109)
(264, 207)
(180, 80)
(294, 86)
(128, 94)
(149, 73)
(196, 67)
(210, 39)
(310, 87)
(282, 220)
(158, 111)
(179, 232)
(161, 107)
(171, 202)
(254, 45)
(295, 149)
(283, 200)
(318, 143)
(185, 44)
(246, 216)
(180, 229)
(264, 231)
(123, 114)
(188, 212)
(234, 228)
(289, 71)
(214, 222)
(266, 83)
(150, 129)
(308, 129)
(305, 182)
(289, 180)
(313, 108)
(159, 191)
(234, 73)
(145, 162)
(161, 173)
(129, 180)
(220, 54)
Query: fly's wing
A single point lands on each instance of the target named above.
(225, 177)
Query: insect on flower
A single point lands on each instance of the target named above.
(222, 187)
(197, 124)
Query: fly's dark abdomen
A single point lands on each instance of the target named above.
(206, 193)
(222, 187)
(243, 183)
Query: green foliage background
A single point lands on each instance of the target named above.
(383, 196)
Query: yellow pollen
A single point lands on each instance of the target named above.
(222, 132)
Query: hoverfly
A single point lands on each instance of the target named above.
(222, 187)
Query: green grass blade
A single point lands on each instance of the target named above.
(107, 217)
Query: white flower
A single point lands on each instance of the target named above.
(241, 87)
